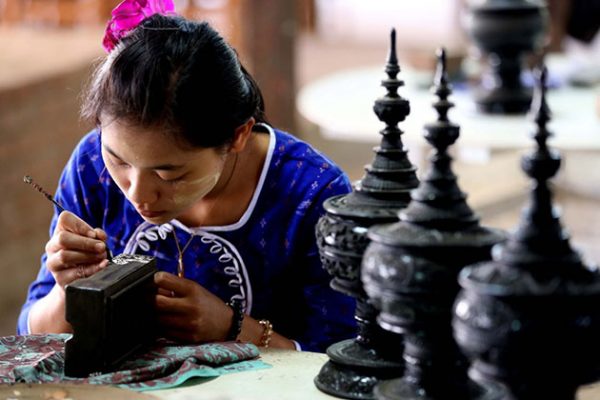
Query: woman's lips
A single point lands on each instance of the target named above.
(150, 214)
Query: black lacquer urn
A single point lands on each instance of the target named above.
(531, 317)
(356, 365)
(506, 31)
(410, 271)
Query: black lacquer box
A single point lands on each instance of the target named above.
(112, 315)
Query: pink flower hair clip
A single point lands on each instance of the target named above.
(128, 14)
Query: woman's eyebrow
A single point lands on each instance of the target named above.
(161, 167)
(111, 151)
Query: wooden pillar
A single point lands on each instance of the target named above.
(11, 11)
(41, 12)
(225, 17)
(104, 8)
(306, 15)
(68, 15)
(268, 51)
(559, 15)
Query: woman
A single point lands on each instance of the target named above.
(184, 167)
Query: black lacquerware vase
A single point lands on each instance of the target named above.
(506, 31)
(531, 317)
(356, 365)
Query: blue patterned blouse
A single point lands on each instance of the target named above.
(268, 259)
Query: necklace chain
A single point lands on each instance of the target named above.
(180, 265)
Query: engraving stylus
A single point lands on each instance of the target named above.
(28, 179)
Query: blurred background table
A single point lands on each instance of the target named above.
(290, 378)
(341, 105)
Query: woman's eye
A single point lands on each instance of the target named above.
(119, 163)
(170, 179)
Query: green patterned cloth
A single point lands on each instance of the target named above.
(40, 359)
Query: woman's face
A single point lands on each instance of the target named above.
(157, 175)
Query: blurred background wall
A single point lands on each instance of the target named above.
(48, 47)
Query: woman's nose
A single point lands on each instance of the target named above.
(141, 192)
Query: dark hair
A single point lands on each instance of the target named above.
(177, 75)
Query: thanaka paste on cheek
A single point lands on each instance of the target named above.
(190, 191)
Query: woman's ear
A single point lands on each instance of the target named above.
(241, 136)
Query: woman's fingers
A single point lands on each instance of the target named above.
(189, 311)
(179, 287)
(90, 270)
(75, 250)
(167, 302)
(64, 259)
(83, 271)
(100, 234)
(174, 328)
(73, 241)
(72, 223)
(174, 322)
(171, 304)
(72, 233)
(164, 292)
(65, 276)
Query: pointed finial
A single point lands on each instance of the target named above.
(440, 139)
(543, 163)
(539, 107)
(391, 175)
(439, 188)
(392, 108)
(540, 242)
(441, 74)
(392, 67)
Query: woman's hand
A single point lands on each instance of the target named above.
(188, 312)
(75, 250)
